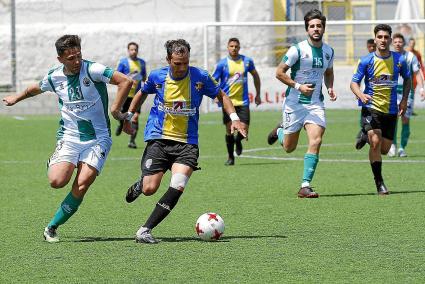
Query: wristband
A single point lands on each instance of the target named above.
(233, 116)
(297, 86)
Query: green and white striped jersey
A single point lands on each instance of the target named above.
(414, 66)
(308, 64)
(83, 101)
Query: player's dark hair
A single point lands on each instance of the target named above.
(399, 35)
(178, 46)
(382, 27)
(132, 43)
(233, 39)
(66, 42)
(370, 41)
(314, 14)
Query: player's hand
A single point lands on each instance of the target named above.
(365, 98)
(237, 125)
(307, 89)
(128, 127)
(135, 118)
(10, 100)
(257, 100)
(402, 107)
(332, 94)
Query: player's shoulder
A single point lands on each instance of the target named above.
(141, 60)
(197, 72)
(159, 74)
(222, 61)
(368, 58)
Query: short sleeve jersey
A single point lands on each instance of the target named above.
(136, 70)
(381, 78)
(233, 78)
(308, 64)
(83, 101)
(175, 111)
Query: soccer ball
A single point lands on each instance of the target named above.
(210, 227)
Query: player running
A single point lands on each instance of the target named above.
(84, 134)
(171, 131)
(311, 62)
(414, 68)
(381, 70)
(232, 73)
(135, 68)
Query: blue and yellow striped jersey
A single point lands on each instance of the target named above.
(381, 76)
(175, 111)
(136, 70)
(233, 77)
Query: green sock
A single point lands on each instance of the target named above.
(68, 207)
(280, 135)
(405, 133)
(310, 163)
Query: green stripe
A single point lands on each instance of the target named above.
(86, 129)
(295, 68)
(108, 72)
(61, 130)
(49, 78)
(103, 92)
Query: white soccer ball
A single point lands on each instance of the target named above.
(210, 227)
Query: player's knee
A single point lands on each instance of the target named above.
(149, 188)
(315, 142)
(179, 181)
(289, 148)
(57, 182)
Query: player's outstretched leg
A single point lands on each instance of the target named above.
(68, 207)
(273, 135)
(134, 191)
(238, 144)
(310, 164)
(164, 206)
(379, 181)
(230, 144)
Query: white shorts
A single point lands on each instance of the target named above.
(92, 152)
(294, 120)
(410, 102)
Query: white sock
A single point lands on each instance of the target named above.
(305, 184)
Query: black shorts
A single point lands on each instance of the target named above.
(160, 155)
(373, 119)
(241, 111)
(127, 104)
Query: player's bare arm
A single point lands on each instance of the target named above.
(30, 91)
(124, 84)
(257, 84)
(230, 110)
(406, 91)
(355, 88)
(282, 69)
(329, 82)
(420, 79)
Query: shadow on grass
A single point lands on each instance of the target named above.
(173, 239)
(370, 193)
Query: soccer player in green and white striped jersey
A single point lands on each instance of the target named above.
(84, 134)
(311, 64)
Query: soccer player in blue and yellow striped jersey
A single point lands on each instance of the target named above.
(135, 68)
(232, 73)
(381, 70)
(171, 131)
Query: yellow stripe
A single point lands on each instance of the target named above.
(236, 73)
(134, 67)
(175, 126)
(382, 94)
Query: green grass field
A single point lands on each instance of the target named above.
(349, 234)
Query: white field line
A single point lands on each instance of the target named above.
(254, 150)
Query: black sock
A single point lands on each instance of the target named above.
(377, 171)
(230, 143)
(163, 207)
(239, 138)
